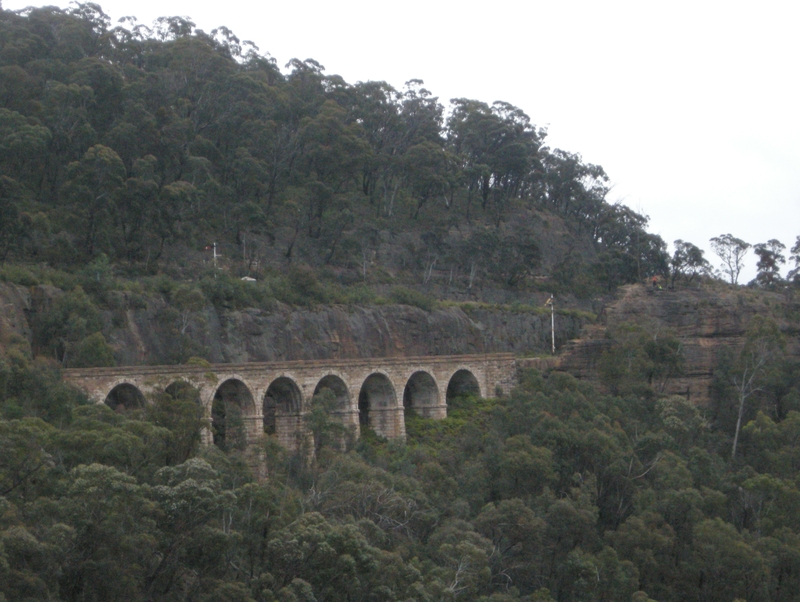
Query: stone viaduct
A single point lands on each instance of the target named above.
(273, 397)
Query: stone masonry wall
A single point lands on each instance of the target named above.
(492, 373)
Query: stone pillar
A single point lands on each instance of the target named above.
(502, 375)
(253, 428)
(436, 412)
(206, 399)
(349, 419)
(291, 431)
(388, 422)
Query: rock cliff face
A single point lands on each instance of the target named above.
(15, 304)
(336, 332)
(152, 334)
(705, 320)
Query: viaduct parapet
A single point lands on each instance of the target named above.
(273, 397)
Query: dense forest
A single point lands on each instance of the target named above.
(161, 165)
(146, 144)
(557, 492)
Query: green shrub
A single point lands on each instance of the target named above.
(358, 295)
(93, 351)
(97, 277)
(17, 274)
(35, 388)
(228, 292)
(68, 319)
(307, 287)
(407, 296)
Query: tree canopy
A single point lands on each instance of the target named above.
(560, 491)
(128, 151)
(133, 141)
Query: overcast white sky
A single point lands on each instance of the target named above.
(692, 108)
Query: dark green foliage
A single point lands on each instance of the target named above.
(770, 259)
(147, 144)
(627, 253)
(226, 291)
(558, 488)
(687, 263)
(794, 274)
(34, 388)
(179, 410)
(66, 320)
(305, 288)
(92, 351)
(640, 356)
(406, 296)
(326, 431)
(759, 377)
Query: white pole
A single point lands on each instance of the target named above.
(553, 323)
(215, 256)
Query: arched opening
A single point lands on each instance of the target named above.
(420, 392)
(283, 398)
(231, 406)
(463, 382)
(377, 393)
(339, 389)
(180, 390)
(124, 398)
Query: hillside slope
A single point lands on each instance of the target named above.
(706, 320)
(150, 331)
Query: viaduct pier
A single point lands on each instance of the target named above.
(273, 397)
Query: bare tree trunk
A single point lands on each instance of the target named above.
(473, 268)
(742, 399)
(746, 387)
(429, 269)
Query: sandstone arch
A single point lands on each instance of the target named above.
(463, 382)
(339, 389)
(381, 377)
(377, 406)
(421, 392)
(124, 397)
(282, 399)
(232, 410)
(182, 389)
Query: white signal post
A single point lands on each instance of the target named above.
(552, 303)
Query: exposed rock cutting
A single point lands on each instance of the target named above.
(704, 319)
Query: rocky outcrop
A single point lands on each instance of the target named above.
(150, 332)
(15, 304)
(338, 332)
(704, 319)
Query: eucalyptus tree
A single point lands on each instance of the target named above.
(687, 262)
(91, 191)
(731, 251)
(627, 253)
(770, 260)
(572, 188)
(764, 346)
(794, 273)
(498, 151)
